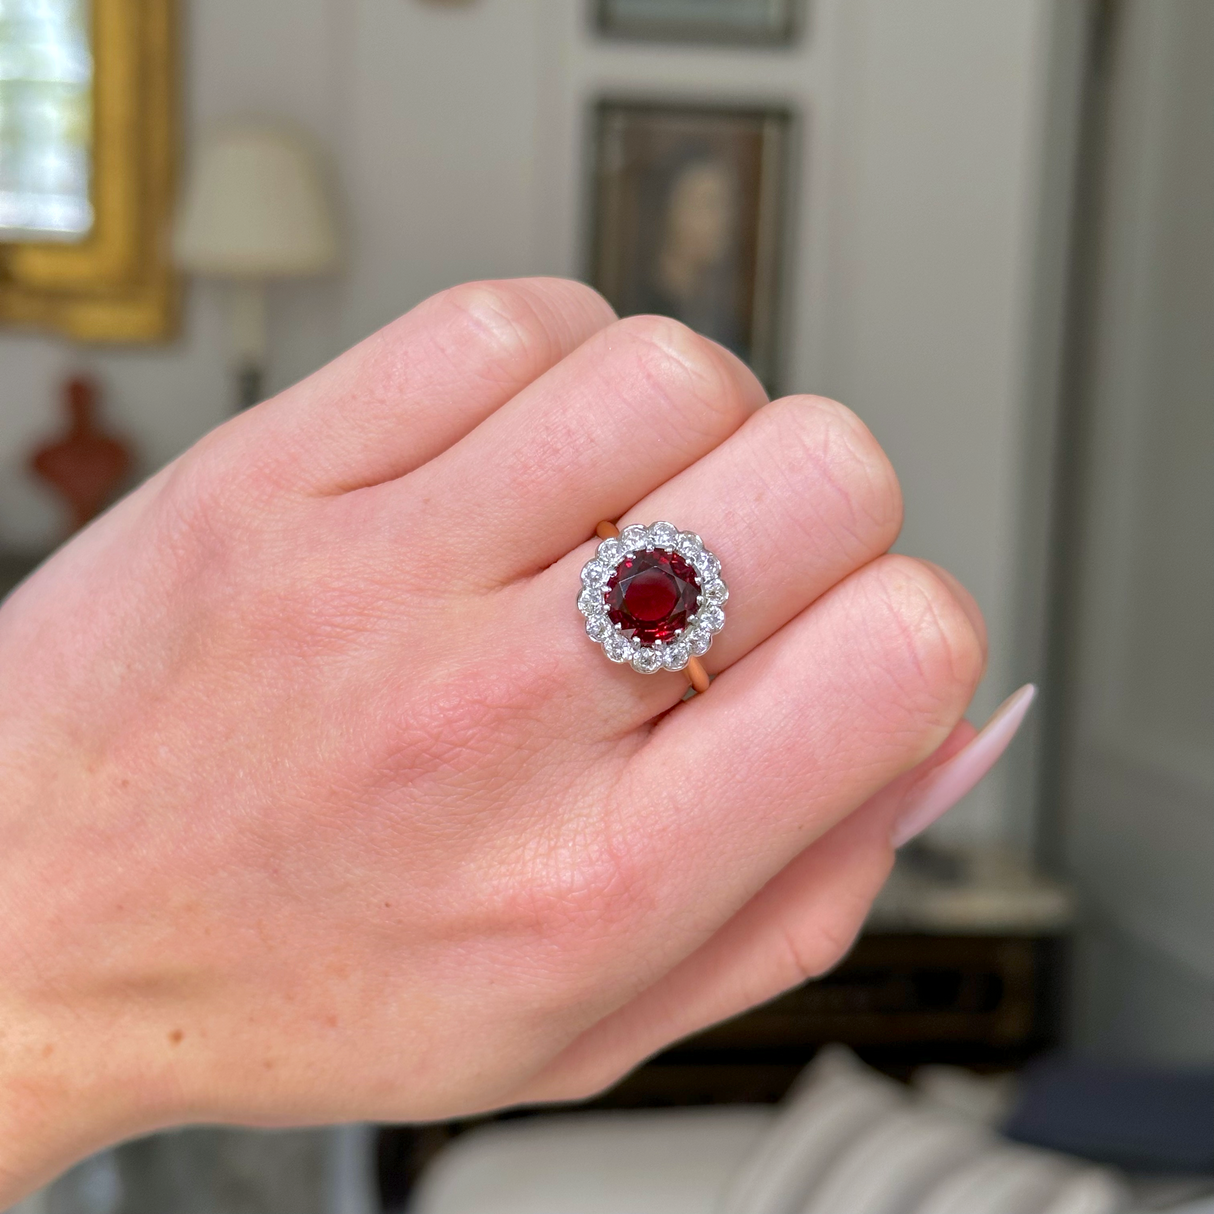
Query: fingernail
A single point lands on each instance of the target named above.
(949, 782)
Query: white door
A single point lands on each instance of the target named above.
(1139, 738)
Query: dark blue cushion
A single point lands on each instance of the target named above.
(1138, 1118)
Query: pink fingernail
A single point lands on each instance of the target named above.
(941, 790)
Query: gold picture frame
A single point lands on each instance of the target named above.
(117, 284)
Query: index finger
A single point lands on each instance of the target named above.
(408, 392)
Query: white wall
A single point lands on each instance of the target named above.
(454, 134)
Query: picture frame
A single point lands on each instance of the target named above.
(116, 284)
(740, 22)
(688, 218)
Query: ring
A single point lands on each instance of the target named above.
(653, 597)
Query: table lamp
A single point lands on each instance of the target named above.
(254, 209)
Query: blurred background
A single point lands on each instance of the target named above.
(987, 226)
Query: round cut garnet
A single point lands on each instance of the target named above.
(651, 595)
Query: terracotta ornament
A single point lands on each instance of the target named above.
(85, 466)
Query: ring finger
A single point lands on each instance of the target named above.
(793, 502)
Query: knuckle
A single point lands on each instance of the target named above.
(819, 442)
(667, 336)
(940, 652)
(209, 508)
(810, 957)
(530, 320)
(698, 389)
(474, 726)
(499, 315)
(567, 299)
(593, 1080)
(576, 890)
(219, 542)
(802, 960)
(808, 954)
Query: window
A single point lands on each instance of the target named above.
(46, 94)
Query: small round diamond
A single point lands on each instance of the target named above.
(617, 647)
(716, 592)
(590, 601)
(597, 627)
(689, 542)
(676, 655)
(646, 661)
(596, 573)
(632, 537)
(712, 618)
(662, 535)
(707, 566)
(610, 551)
(700, 642)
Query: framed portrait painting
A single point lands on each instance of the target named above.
(688, 219)
(774, 22)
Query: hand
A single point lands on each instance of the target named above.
(318, 802)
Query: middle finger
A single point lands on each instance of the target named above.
(630, 408)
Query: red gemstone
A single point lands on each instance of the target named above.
(651, 594)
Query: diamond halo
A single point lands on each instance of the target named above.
(685, 549)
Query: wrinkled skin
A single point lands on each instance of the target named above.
(317, 802)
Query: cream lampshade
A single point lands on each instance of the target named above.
(254, 209)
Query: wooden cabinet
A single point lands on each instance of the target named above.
(899, 999)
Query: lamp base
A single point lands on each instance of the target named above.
(248, 385)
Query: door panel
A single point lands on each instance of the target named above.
(1139, 783)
